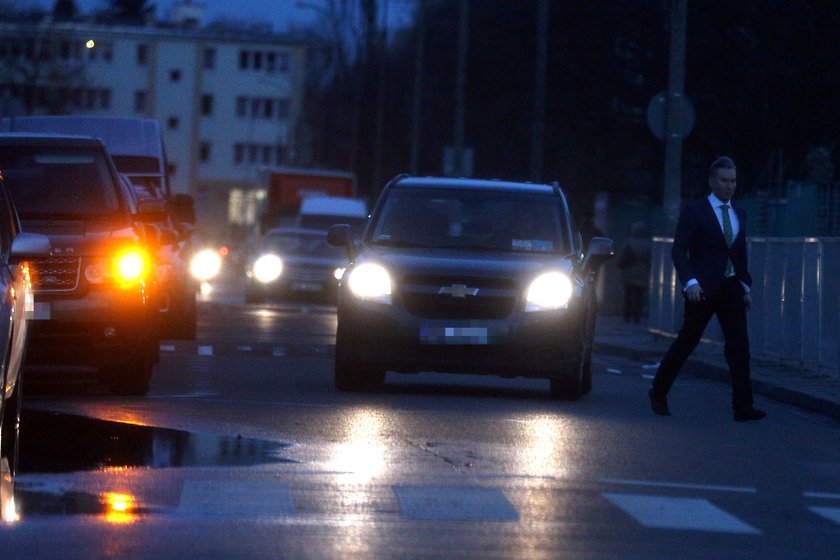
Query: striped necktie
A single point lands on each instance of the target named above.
(728, 237)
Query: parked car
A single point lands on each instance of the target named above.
(468, 276)
(96, 296)
(294, 261)
(138, 151)
(16, 309)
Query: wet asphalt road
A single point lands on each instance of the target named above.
(243, 449)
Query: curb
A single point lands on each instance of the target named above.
(706, 370)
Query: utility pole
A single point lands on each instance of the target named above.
(673, 133)
(461, 86)
(538, 125)
(417, 102)
(380, 101)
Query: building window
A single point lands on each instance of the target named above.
(140, 101)
(204, 152)
(175, 75)
(243, 60)
(105, 98)
(173, 123)
(209, 58)
(284, 63)
(241, 106)
(142, 54)
(238, 154)
(207, 105)
(282, 109)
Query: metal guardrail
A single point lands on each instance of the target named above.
(795, 318)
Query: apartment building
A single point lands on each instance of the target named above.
(229, 103)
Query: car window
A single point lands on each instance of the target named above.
(301, 245)
(472, 219)
(7, 221)
(59, 181)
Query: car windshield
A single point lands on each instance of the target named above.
(302, 245)
(59, 181)
(471, 219)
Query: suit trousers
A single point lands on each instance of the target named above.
(731, 312)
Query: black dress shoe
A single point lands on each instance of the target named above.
(659, 404)
(749, 414)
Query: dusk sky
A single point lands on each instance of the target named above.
(278, 12)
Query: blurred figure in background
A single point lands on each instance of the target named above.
(634, 262)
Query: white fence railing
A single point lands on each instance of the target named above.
(795, 317)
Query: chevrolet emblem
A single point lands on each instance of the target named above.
(458, 291)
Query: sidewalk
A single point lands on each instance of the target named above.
(807, 390)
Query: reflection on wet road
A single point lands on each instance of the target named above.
(53, 443)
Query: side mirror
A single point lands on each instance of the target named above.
(183, 208)
(151, 210)
(340, 235)
(600, 250)
(30, 245)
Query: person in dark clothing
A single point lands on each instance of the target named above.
(634, 262)
(710, 257)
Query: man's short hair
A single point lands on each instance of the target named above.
(723, 162)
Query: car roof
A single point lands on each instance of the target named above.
(296, 231)
(475, 184)
(48, 139)
(130, 136)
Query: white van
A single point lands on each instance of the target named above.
(320, 212)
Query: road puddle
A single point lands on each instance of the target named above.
(61, 443)
(52, 445)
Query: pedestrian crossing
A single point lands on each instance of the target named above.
(481, 503)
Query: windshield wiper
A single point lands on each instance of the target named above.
(399, 243)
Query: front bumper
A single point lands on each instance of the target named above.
(536, 344)
(103, 328)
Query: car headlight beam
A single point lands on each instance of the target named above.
(551, 290)
(205, 265)
(371, 281)
(267, 268)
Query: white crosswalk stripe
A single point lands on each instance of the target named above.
(692, 514)
(454, 503)
(235, 499)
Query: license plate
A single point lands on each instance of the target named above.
(307, 287)
(42, 310)
(454, 335)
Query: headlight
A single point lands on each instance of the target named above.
(371, 281)
(551, 290)
(267, 268)
(205, 265)
(338, 273)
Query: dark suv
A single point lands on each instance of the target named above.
(96, 301)
(468, 276)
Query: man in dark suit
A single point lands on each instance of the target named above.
(710, 256)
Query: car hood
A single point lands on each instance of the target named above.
(468, 264)
(77, 238)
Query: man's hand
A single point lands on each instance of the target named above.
(694, 293)
(747, 301)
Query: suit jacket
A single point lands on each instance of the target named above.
(699, 250)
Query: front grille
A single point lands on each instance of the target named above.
(307, 274)
(55, 274)
(496, 299)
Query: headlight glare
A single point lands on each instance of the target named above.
(371, 281)
(267, 268)
(131, 265)
(551, 290)
(205, 265)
